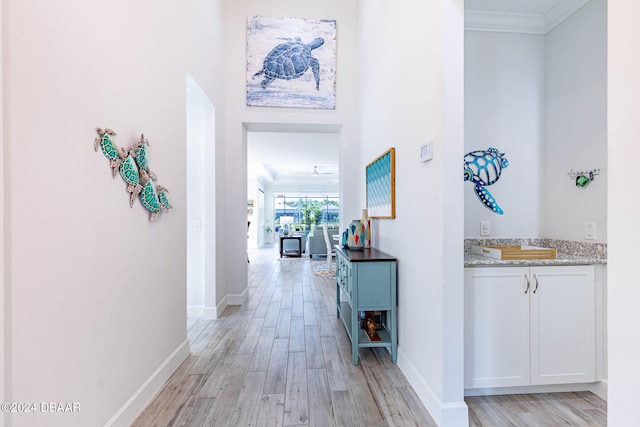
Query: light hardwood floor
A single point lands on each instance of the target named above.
(543, 409)
(283, 359)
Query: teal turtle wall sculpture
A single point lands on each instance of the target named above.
(483, 168)
(133, 167)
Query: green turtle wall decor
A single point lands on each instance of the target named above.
(133, 166)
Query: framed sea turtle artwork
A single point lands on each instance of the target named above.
(291, 62)
(381, 185)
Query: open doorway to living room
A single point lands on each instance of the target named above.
(293, 173)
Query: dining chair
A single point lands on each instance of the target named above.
(327, 242)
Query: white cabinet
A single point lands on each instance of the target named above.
(529, 326)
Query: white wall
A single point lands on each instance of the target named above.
(411, 93)
(623, 226)
(96, 293)
(504, 108)
(345, 114)
(576, 125)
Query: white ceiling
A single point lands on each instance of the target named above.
(290, 157)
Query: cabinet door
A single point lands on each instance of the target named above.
(374, 281)
(496, 327)
(562, 325)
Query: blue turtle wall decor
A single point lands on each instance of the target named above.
(290, 60)
(483, 168)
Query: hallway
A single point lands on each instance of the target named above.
(283, 359)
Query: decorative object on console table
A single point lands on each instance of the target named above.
(381, 185)
(366, 229)
(285, 222)
(355, 239)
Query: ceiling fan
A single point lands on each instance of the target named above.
(316, 173)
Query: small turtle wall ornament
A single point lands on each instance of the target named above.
(129, 174)
(290, 60)
(483, 168)
(150, 200)
(140, 151)
(164, 200)
(108, 148)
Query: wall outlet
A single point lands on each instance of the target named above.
(485, 228)
(590, 230)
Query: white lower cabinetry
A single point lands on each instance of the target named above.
(528, 326)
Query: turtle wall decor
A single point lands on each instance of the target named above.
(483, 168)
(291, 62)
(133, 166)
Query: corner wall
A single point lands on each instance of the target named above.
(576, 124)
(411, 93)
(96, 300)
(624, 205)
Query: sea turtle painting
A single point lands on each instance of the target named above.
(290, 60)
(483, 168)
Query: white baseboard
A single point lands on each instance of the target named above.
(238, 299)
(141, 398)
(550, 388)
(455, 414)
(219, 308)
(195, 310)
(601, 389)
(201, 311)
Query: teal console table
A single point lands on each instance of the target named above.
(366, 281)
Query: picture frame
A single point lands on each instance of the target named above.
(291, 62)
(381, 185)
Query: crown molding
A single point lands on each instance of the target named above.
(504, 22)
(562, 11)
(526, 23)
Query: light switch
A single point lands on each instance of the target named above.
(426, 152)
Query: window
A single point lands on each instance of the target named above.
(307, 210)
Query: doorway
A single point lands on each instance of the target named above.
(281, 159)
(201, 236)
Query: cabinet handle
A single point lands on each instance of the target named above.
(526, 276)
(536, 280)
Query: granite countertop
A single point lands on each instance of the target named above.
(471, 260)
(568, 252)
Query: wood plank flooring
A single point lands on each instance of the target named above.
(542, 409)
(284, 359)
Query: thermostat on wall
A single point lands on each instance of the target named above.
(426, 152)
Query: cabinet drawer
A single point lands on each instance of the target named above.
(373, 280)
